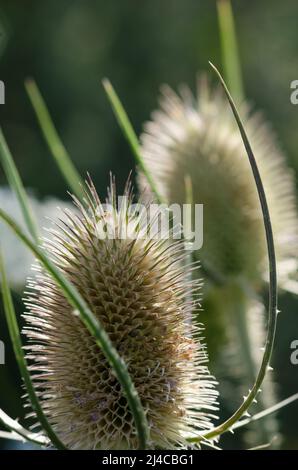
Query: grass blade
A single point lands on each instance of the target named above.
(16, 184)
(233, 75)
(22, 363)
(53, 140)
(95, 329)
(272, 311)
(229, 49)
(129, 134)
(15, 428)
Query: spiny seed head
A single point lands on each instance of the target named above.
(198, 138)
(139, 289)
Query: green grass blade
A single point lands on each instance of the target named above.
(95, 329)
(53, 140)
(272, 310)
(229, 49)
(129, 133)
(15, 428)
(19, 354)
(16, 185)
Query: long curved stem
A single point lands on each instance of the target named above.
(247, 344)
(272, 314)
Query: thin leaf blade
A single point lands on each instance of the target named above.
(16, 185)
(272, 309)
(58, 150)
(129, 134)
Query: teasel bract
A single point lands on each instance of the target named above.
(196, 137)
(140, 290)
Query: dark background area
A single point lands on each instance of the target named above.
(68, 46)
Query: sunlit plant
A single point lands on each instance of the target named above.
(73, 259)
(115, 358)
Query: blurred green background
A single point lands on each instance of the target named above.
(68, 46)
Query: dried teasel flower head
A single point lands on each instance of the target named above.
(140, 290)
(198, 137)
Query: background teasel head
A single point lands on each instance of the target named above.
(139, 289)
(197, 136)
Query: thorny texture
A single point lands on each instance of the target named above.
(140, 290)
(198, 137)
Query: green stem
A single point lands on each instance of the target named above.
(53, 140)
(272, 310)
(22, 363)
(246, 344)
(229, 49)
(95, 328)
(16, 184)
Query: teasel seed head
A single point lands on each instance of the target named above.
(198, 137)
(139, 288)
